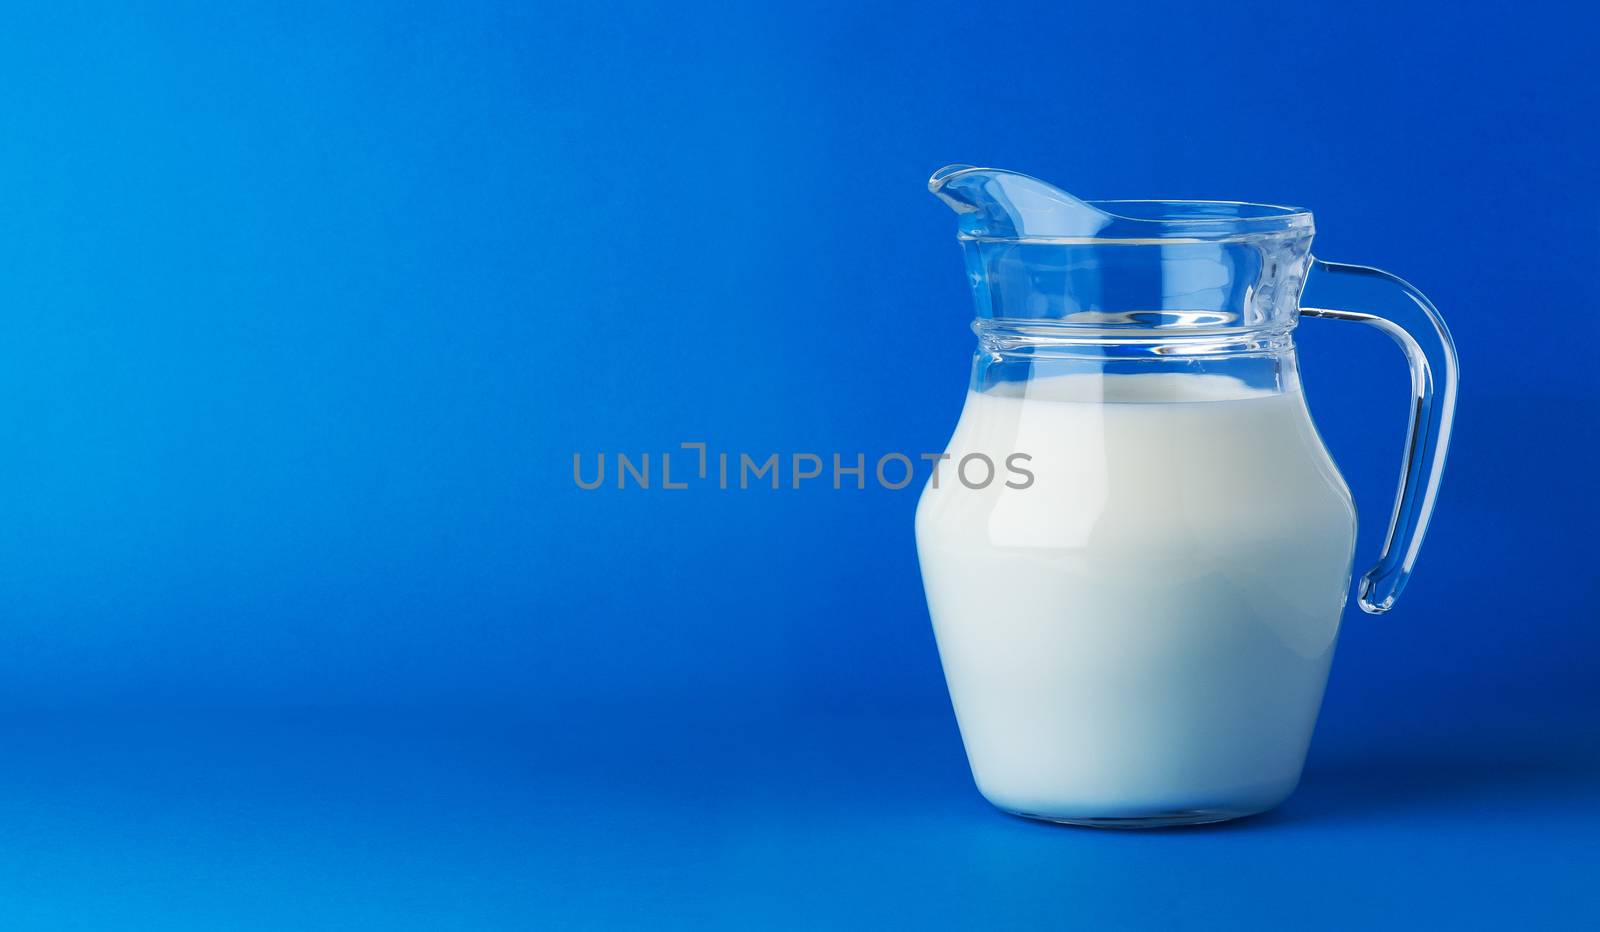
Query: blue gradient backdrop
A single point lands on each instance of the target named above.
(306, 308)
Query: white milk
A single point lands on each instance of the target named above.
(1145, 632)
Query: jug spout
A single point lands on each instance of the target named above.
(995, 203)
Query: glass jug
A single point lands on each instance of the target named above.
(1136, 624)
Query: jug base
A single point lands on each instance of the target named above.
(1154, 820)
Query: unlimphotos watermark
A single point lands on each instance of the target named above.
(741, 470)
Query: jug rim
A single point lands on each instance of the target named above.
(1259, 211)
(1167, 221)
(1108, 220)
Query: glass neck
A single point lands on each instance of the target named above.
(1130, 336)
(1011, 352)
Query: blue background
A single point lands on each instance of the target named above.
(307, 307)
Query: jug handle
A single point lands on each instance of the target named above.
(1369, 296)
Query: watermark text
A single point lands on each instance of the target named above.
(725, 470)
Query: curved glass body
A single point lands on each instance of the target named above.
(1136, 628)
